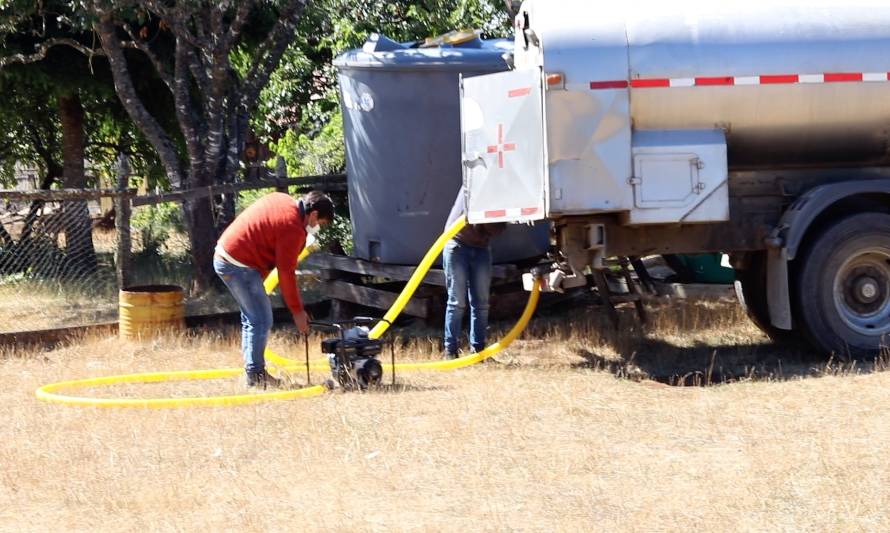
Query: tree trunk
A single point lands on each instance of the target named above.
(198, 214)
(79, 251)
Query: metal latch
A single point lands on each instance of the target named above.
(474, 160)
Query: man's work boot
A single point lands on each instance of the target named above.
(262, 380)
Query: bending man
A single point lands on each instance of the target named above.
(269, 234)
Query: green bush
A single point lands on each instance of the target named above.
(154, 223)
(340, 231)
(323, 154)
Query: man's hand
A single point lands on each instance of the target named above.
(301, 320)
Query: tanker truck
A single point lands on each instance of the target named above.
(757, 131)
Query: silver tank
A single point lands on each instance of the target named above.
(791, 83)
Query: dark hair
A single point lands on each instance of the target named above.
(321, 202)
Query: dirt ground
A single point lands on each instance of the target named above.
(575, 428)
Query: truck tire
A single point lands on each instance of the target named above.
(750, 288)
(844, 287)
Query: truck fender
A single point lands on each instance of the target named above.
(785, 240)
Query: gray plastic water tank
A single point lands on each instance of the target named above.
(401, 120)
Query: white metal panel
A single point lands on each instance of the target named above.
(680, 176)
(502, 121)
(588, 126)
(665, 180)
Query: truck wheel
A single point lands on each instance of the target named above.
(844, 286)
(750, 288)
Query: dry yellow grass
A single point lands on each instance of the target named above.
(547, 440)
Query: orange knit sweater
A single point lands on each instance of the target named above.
(270, 234)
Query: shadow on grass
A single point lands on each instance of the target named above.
(691, 343)
(389, 388)
(704, 364)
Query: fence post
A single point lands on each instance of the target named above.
(122, 212)
(280, 174)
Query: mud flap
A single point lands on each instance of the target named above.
(777, 289)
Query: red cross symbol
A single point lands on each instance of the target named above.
(501, 146)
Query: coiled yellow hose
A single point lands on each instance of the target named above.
(50, 392)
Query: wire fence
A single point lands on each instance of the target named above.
(65, 255)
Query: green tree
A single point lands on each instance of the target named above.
(302, 93)
(195, 47)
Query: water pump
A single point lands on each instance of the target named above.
(353, 356)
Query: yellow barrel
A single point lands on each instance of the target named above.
(147, 310)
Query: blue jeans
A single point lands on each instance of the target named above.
(246, 285)
(467, 274)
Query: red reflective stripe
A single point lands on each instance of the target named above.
(519, 92)
(654, 82)
(529, 211)
(616, 84)
(496, 214)
(831, 77)
(779, 78)
(509, 147)
(719, 80)
(492, 149)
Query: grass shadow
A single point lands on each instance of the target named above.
(689, 343)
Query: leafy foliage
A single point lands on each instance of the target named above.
(302, 94)
(155, 223)
(322, 154)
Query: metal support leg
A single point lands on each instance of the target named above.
(633, 289)
(602, 286)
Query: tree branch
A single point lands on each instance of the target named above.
(199, 72)
(43, 48)
(182, 103)
(173, 21)
(511, 8)
(137, 44)
(270, 52)
(123, 83)
(244, 9)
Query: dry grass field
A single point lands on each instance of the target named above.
(568, 432)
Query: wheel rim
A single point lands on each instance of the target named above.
(862, 292)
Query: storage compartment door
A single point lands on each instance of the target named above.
(504, 159)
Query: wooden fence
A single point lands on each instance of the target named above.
(125, 199)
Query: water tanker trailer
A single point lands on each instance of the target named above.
(758, 131)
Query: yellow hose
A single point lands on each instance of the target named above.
(472, 359)
(417, 277)
(271, 280)
(49, 392)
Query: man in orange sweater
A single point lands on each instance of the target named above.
(269, 234)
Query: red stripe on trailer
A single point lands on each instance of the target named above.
(652, 82)
(834, 77)
(718, 80)
(529, 211)
(525, 91)
(770, 79)
(496, 214)
(614, 84)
